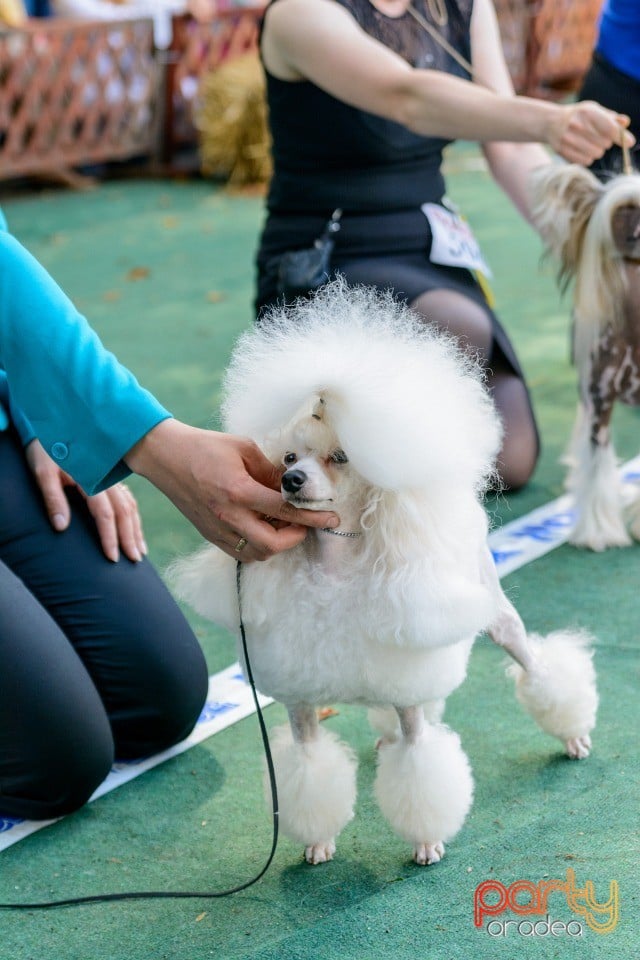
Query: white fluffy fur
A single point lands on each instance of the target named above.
(385, 618)
(574, 212)
(561, 692)
(371, 359)
(316, 783)
(632, 515)
(593, 480)
(425, 789)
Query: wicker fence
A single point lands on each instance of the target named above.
(75, 93)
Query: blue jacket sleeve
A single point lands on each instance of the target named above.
(86, 408)
(17, 418)
(20, 422)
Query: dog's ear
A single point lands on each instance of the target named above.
(563, 198)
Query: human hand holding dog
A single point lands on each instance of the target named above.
(115, 510)
(226, 487)
(582, 132)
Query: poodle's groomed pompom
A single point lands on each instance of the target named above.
(425, 789)
(560, 694)
(410, 409)
(316, 785)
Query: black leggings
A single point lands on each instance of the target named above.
(96, 660)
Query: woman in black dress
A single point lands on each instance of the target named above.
(363, 97)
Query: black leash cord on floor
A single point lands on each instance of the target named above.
(180, 894)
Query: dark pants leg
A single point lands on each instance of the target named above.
(96, 659)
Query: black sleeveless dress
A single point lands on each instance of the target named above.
(328, 154)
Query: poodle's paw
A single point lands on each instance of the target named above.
(425, 854)
(316, 789)
(578, 747)
(320, 852)
(424, 790)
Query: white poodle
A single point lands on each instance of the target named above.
(377, 417)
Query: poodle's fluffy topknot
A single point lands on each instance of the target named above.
(408, 407)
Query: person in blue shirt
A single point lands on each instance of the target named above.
(613, 78)
(96, 660)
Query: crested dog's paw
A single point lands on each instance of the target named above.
(584, 535)
(600, 498)
(578, 747)
(320, 852)
(425, 854)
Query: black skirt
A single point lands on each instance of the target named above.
(387, 250)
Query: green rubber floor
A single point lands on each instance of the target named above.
(164, 272)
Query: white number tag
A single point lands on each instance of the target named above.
(453, 244)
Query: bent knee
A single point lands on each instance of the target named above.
(165, 716)
(57, 782)
(521, 442)
(459, 316)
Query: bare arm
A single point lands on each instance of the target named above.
(318, 40)
(510, 163)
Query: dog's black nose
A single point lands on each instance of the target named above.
(292, 480)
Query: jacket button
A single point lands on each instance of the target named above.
(59, 451)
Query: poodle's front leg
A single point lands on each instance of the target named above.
(424, 785)
(315, 774)
(554, 675)
(384, 720)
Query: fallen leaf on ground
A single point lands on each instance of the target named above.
(324, 712)
(138, 273)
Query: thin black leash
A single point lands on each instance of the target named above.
(180, 894)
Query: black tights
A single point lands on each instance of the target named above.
(96, 660)
(471, 326)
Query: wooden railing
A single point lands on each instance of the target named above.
(74, 93)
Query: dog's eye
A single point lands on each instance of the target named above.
(289, 458)
(339, 456)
